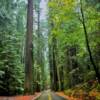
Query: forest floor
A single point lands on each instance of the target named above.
(79, 97)
(86, 91)
(31, 97)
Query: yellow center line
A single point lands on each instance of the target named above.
(49, 97)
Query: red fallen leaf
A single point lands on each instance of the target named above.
(24, 98)
(18, 98)
(29, 97)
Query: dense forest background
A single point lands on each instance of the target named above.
(62, 52)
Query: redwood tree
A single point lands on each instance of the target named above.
(28, 49)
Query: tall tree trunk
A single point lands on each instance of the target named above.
(28, 50)
(87, 44)
(54, 64)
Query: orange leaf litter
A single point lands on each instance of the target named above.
(31, 97)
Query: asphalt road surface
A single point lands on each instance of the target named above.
(47, 95)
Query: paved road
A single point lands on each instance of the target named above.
(47, 95)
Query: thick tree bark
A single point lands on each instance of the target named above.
(28, 50)
(87, 44)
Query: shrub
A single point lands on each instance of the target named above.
(68, 92)
(98, 87)
(90, 76)
(97, 97)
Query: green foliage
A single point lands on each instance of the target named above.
(68, 92)
(97, 97)
(90, 76)
(11, 67)
(65, 23)
(98, 87)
